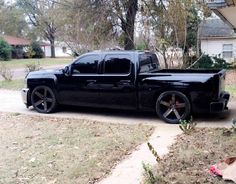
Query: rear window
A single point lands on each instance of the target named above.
(117, 64)
(148, 63)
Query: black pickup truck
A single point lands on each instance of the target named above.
(127, 80)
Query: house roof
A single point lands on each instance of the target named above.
(11, 40)
(215, 28)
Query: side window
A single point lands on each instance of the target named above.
(87, 65)
(117, 64)
(148, 63)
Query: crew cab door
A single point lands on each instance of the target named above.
(81, 87)
(117, 82)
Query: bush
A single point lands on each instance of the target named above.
(5, 72)
(37, 50)
(5, 50)
(207, 62)
(29, 53)
(32, 67)
(18, 52)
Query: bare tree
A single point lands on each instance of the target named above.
(98, 20)
(43, 15)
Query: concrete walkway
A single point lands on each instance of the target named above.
(130, 170)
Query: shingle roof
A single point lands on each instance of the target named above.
(11, 40)
(215, 28)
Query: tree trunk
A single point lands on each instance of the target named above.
(53, 55)
(165, 60)
(128, 25)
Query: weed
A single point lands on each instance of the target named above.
(230, 131)
(16, 114)
(151, 148)
(150, 177)
(234, 126)
(187, 126)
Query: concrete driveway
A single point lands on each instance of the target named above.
(10, 101)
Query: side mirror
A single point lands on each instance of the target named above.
(67, 71)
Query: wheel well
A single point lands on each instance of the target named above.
(49, 84)
(157, 94)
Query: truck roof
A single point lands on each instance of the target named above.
(119, 51)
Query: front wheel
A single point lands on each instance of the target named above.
(43, 99)
(172, 106)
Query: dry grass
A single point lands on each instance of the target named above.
(21, 63)
(231, 77)
(12, 85)
(231, 83)
(190, 158)
(54, 150)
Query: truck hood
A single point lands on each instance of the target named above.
(44, 73)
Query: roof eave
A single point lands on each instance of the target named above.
(217, 12)
(217, 37)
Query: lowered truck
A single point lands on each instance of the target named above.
(127, 80)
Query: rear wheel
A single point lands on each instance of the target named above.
(43, 99)
(172, 106)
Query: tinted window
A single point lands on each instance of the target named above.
(87, 64)
(117, 64)
(148, 63)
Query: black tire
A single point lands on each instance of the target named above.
(173, 106)
(43, 99)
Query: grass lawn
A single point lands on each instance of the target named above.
(190, 158)
(12, 85)
(232, 90)
(38, 149)
(21, 63)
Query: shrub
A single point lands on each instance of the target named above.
(18, 52)
(37, 50)
(30, 52)
(207, 62)
(5, 50)
(32, 67)
(6, 72)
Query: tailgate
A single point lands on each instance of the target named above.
(220, 80)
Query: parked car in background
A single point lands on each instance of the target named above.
(127, 80)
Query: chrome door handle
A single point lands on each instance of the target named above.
(91, 81)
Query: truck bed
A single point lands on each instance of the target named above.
(192, 71)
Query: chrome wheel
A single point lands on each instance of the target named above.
(43, 99)
(173, 106)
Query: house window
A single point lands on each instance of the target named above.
(64, 49)
(227, 50)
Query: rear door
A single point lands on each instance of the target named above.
(117, 82)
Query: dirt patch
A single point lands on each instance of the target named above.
(231, 78)
(37, 149)
(190, 158)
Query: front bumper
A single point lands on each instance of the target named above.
(25, 96)
(221, 104)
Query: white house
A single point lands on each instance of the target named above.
(218, 39)
(225, 9)
(61, 49)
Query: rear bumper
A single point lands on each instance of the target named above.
(25, 96)
(221, 104)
